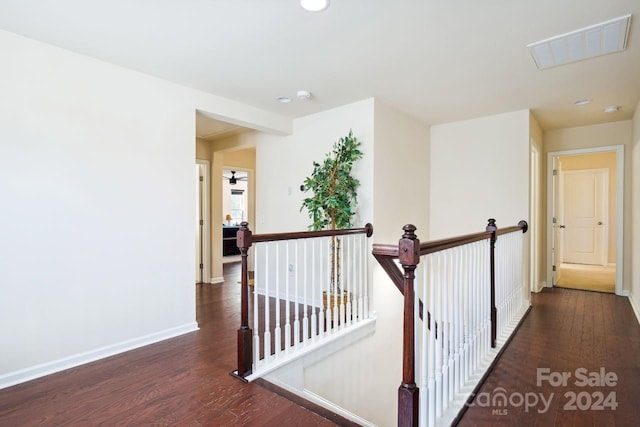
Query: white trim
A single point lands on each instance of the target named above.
(206, 194)
(619, 150)
(319, 400)
(635, 307)
(215, 280)
(534, 214)
(37, 371)
(540, 287)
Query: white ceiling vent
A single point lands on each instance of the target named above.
(596, 40)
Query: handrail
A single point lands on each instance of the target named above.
(273, 237)
(245, 239)
(408, 251)
(391, 251)
(386, 253)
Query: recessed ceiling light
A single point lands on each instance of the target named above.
(611, 109)
(582, 101)
(283, 99)
(314, 5)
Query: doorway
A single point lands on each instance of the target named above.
(236, 194)
(585, 219)
(203, 237)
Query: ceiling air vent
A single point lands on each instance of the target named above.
(589, 42)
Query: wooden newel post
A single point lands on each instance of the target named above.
(245, 351)
(492, 227)
(408, 392)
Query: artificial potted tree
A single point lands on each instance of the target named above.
(332, 203)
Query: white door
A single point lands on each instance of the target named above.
(583, 216)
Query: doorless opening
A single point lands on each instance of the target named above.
(585, 214)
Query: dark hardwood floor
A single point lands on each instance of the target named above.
(183, 381)
(567, 330)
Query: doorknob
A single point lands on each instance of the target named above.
(599, 222)
(562, 226)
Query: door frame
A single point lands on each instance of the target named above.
(535, 216)
(206, 229)
(552, 186)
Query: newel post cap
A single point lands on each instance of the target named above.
(243, 237)
(409, 246)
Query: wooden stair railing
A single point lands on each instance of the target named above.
(245, 239)
(408, 252)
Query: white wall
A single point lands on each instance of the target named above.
(479, 170)
(282, 163)
(635, 214)
(602, 135)
(96, 173)
(365, 377)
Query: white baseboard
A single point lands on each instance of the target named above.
(636, 308)
(37, 371)
(215, 280)
(540, 287)
(321, 401)
(318, 400)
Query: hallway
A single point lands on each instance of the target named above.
(182, 381)
(567, 330)
(186, 381)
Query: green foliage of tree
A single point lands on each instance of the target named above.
(332, 205)
(334, 199)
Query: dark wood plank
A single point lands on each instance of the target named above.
(567, 330)
(182, 381)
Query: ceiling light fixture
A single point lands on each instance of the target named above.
(303, 94)
(283, 99)
(611, 109)
(582, 101)
(314, 5)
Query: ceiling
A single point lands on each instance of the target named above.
(439, 61)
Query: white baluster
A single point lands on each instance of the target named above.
(256, 336)
(432, 345)
(457, 296)
(453, 307)
(267, 330)
(296, 297)
(287, 307)
(276, 300)
(350, 282)
(330, 277)
(423, 383)
(468, 312)
(305, 285)
(321, 314)
(365, 269)
(438, 322)
(444, 329)
(314, 318)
